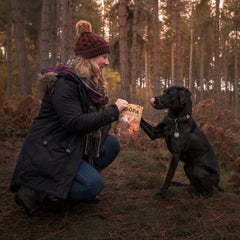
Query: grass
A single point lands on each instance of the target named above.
(88, 229)
(129, 208)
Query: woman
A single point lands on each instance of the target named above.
(69, 143)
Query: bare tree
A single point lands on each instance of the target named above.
(67, 30)
(44, 34)
(173, 63)
(147, 68)
(236, 88)
(191, 82)
(134, 52)
(147, 64)
(54, 17)
(123, 50)
(9, 50)
(179, 80)
(156, 54)
(25, 80)
(217, 80)
(156, 49)
(226, 59)
(201, 64)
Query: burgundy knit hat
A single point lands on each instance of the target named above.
(89, 44)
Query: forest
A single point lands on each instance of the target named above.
(155, 44)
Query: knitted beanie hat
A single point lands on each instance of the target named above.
(89, 44)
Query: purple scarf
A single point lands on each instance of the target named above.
(60, 68)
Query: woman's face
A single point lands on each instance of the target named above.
(102, 61)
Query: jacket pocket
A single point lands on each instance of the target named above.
(50, 159)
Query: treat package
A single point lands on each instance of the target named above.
(129, 122)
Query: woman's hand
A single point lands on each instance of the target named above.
(121, 104)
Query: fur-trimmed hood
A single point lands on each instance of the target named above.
(46, 81)
(48, 76)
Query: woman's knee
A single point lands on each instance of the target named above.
(109, 151)
(88, 183)
(112, 144)
(87, 189)
(96, 184)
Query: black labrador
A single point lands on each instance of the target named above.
(185, 140)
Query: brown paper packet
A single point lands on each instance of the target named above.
(129, 122)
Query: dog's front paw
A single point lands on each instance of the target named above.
(161, 192)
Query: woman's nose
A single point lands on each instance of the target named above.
(107, 61)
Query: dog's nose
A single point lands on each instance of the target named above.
(152, 100)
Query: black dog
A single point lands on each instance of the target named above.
(185, 140)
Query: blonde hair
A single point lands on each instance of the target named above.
(87, 68)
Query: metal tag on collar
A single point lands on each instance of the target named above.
(176, 133)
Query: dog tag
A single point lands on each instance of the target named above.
(176, 135)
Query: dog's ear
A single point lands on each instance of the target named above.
(183, 94)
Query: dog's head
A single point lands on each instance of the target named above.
(174, 98)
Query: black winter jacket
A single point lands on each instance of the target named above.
(54, 146)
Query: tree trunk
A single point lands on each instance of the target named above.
(217, 80)
(156, 49)
(54, 40)
(226, 58)
(191, 83)
(25, 80)
(44, 34)
(147, 72)
(134, 52)
(173, 64)
(123, 51)
(67, 30)
(156, 55)
(179, 80)
(9, 50)
(201, 64)
(236, 88)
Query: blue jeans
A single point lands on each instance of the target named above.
(88, 182)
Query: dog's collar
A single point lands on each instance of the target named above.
(179, 119)
(176, 121)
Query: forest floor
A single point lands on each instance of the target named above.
(128, 208)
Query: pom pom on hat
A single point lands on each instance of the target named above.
(89, 44)
(83, 26)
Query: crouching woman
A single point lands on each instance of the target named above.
(69, 141)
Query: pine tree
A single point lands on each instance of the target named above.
(123, 51)
(18, 20)
(67, 30)
(44, 34)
